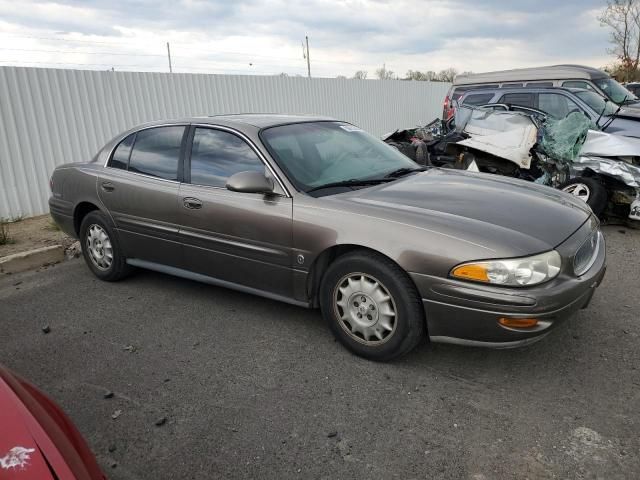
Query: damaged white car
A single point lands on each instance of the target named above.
(600, 168)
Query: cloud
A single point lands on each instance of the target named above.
(263, 36)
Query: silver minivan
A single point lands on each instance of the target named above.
(568, 76)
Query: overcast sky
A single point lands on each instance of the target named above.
(264, 36)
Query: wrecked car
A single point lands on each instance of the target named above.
(601, 169)
(558, 102)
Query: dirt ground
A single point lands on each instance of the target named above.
(35, 232)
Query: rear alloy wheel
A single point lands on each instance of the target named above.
(372, 306)
(101, 248)
(589, 190)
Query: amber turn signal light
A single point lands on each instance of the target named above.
(477, 272)
(518, 322)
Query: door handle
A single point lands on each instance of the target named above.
(191, 203)
(108, 186)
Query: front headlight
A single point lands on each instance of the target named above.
(516, 272)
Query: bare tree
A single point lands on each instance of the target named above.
(623, 18)
(360, 75)
(416, 75)
(384, 74)
(447, 75)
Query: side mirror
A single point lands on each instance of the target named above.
(250, 182)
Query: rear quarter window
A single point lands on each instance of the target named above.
(522, 99)
(120, 157)
(477, 99)
(540, 84)
(577, 84)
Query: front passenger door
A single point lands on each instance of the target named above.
(241, 238)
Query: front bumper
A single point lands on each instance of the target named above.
(467, 313)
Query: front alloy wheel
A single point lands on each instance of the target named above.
(371, 305)
(589, 190)
(365, 308)
(579, 190)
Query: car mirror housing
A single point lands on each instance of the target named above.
(250, 182)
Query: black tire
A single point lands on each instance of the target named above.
(596, 198)
(408, 322)
(422, 155)
(118, 268)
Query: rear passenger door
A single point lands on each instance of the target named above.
(139, 187)
(241, 238)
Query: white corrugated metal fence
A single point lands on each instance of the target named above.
(50, 116)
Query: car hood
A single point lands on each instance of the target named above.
(20, 455)
(628, 113)
(38, 440)
(507, 215)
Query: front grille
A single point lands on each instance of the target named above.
(587, 253)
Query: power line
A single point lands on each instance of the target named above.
(83, 53)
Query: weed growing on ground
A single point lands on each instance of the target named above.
(52, 226)
(5, 239)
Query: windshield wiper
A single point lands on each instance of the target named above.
(613, 116)
(404, 171)
(350, 183)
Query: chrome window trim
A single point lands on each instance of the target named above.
(160, 179)
(252, 146)
(129, 132)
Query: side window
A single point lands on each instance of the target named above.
(522, 99)
(556, 105)
(512, 85)
(216, 155)
(577, 84)
(120, 157)
(156, 152)
(540, 84)
(477, 99)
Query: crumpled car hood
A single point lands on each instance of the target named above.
(527, 218)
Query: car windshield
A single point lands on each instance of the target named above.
(319, 153)
(614, 90)
(597, 102)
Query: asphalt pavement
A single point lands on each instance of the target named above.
(244, 387)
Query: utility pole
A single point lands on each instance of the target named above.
(308, 60)
(169, 56)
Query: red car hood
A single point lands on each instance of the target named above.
(37, 439)
(20, 455)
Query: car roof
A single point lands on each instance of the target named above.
(552, 72)
(258, 120)
(522, 90)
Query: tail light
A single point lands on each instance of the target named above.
(448, 109)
